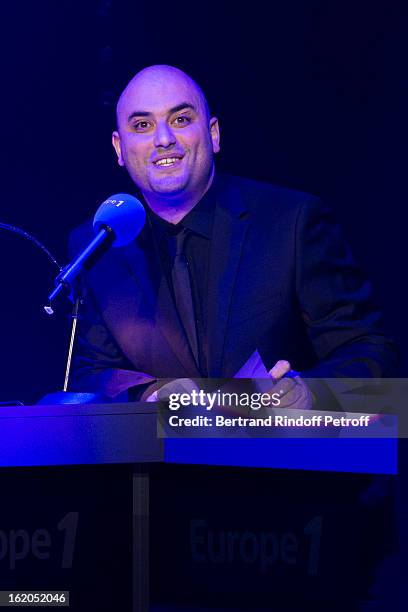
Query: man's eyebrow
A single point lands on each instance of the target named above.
(139, 114)
(175, 109)
(180, 107)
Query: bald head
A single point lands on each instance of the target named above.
(166, 139)
(157, 78)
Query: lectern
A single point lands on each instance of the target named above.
(42, 446)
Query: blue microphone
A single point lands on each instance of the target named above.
(118, 220)
(123, 215)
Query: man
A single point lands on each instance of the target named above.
(227, 271)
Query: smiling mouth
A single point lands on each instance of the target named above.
(167, 161)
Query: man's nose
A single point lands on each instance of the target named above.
(164, 136)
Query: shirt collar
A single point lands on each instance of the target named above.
(199, 220)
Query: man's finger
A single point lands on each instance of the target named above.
(280, 368)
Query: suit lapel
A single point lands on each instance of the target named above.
(146, 269)
(228, 234)
(229, 230)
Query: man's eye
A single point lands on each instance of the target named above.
(141, 126)
(182, 120)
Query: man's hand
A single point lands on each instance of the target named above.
(293, 391)
(178, 385)
(152, 397)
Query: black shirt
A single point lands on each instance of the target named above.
(198, 225)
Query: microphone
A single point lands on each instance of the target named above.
(123, 215)
(118, 221)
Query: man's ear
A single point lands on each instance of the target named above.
(215, 134)
(117, 147)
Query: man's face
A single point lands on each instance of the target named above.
(165, 138)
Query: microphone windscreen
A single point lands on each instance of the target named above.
(124, 215)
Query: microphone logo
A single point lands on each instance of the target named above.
(116, 203)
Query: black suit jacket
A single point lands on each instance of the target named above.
(281, 281)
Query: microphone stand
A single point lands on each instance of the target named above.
(60, 396)
(74, 316)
